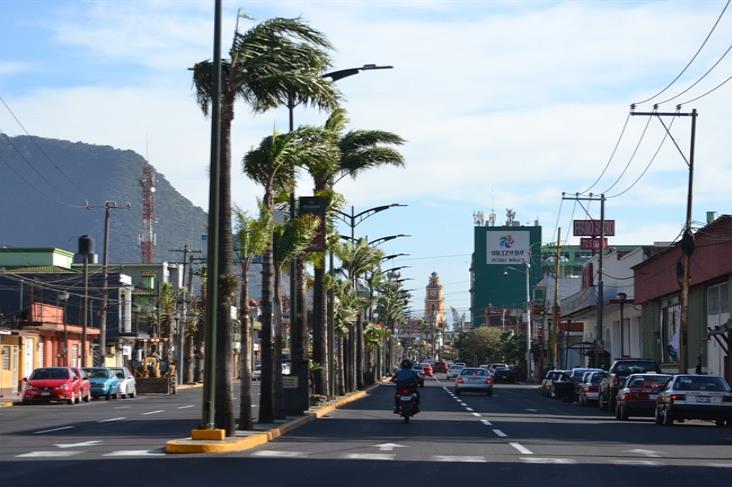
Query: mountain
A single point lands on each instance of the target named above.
(44, 184)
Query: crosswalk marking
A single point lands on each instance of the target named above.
(486, 422)
(454, 458)
(278, 454)
(56, 453)
(563, 461)
(135, 453)
(469, 409)
(370, 456)
(476, 415)
(650, 463)
(522, 449)
(500, 433)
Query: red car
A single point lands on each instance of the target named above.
(52, 384)
(427, 369)
(637, 397)
(84, 384)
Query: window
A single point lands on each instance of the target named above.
(670, 328)
(6, 357)
(717, 299)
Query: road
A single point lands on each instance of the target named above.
(515, 437)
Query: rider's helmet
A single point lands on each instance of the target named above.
(406, 364)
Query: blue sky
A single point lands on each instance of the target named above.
(503, 104)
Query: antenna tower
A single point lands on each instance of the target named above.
(148, 239)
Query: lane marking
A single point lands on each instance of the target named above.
(186, 407)
(278, 454)
(450, 458)
(370, 456)
(521, 449)
(635, 462)
(53, 429)
(477, 415)
(563, 461)
(121, 407)
(462, 404)
(56, 453)
(136, 453)
(531, 410)
(722, 465)
(500, 433)
(154, 412)
(647, 453)
(486, 422)
(112, 419)
(469, 409)
(388, 446)
(75, 445)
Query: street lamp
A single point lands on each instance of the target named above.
(63, 297)
(527, 269)
(622, 297)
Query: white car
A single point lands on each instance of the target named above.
(126, 382)
(454, 371)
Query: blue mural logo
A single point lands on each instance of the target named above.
(506, 241)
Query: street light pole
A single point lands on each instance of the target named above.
(528, 322)
(621, 298)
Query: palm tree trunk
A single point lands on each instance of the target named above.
(279, 399)
(338, 366)
(199, 338)
(320, 337)
(266, 411)
(360, 355)
(189, 351)
(245, 374)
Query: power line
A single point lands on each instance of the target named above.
(559, 214)
(20, 175)
(701, 78)
(612, 154)
(708, 92)
(632, 156)
(692, 59)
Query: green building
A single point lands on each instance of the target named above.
(573, 258)
(498, 271)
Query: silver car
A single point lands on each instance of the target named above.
(127, 385)
(474, 379)
(454, 371)
(689, 396)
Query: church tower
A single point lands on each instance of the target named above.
(434, 301)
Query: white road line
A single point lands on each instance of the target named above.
(486, 422)
(449, 458)
(531, 410)
(521, 449)
(121, 407)
(186, 407)
(462, 404)
(635, 462)
(112, 419)
(477, 415)
(469, 409)
(278, 454)
(55, 453)
(136, 453)
(722, 465)
(564, 461)
(500, 433)
(53, 429)
(154, 412)
(370, 456)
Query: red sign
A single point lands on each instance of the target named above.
(591, 228)
(592, 243)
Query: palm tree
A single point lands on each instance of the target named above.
(358, 150)
(268, 64)
(253, 236)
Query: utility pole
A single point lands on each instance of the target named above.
(108, 206)
(184, 307)
(555, 308)
(687, 242)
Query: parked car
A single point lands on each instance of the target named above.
(562, 387)
(454, 371)
(474, 379)
(439, 367)
(503, 373)
(103, 382)
(126, 382)
(618, 372)
(48, 384)
(257, 372)
(420, 374)
(577, 375)
(637, 396)
(427, 369)
(546, 382)
(84, 384)
(694, 397)
(590, 387)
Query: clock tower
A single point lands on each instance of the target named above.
(434, 301)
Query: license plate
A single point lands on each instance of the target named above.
(703, 399)
(652, 397)
(45, 393)
(474, 380)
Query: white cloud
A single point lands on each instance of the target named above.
(13, 68)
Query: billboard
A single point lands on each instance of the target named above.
(508, 247)
(591, 228)
(592, 243)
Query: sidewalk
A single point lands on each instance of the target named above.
(213, 441)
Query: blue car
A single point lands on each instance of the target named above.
(103, 382)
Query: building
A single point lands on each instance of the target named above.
(573, 258)
(499, 268)
(434, 313)
(658, 291)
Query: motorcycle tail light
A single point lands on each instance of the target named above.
(405, 392)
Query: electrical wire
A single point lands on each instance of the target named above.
(701, 78)
(692, 59)
(569, 225)
(632, 156)
(650, 162)
(612, 155)
(20, 175)
(559, 214)
(707, 93)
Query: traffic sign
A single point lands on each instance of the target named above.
(591, 228)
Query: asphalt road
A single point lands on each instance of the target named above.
(515, 437)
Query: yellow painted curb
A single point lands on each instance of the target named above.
(6, 404)
(212, 434)
(183, 387)
(243, 443)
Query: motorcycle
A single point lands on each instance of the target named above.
(407, 403)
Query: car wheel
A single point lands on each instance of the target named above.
(657, 417)
(668, 419)
(600, 403)
(108, 396)
(617, 412)
(132, 394)
(623, 414)
(116, 394)
(71, 401)
(87, 398)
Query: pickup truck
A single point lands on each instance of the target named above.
(617, 373)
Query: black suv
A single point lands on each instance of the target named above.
(618, 372)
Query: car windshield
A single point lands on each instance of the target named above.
(119, 373)
(501, 368)
(634, 367)
(474, 372)
(41, 374)
(648, 380)
(700, 383)
(97, 373)
(596, 378)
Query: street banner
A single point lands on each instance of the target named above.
(592, 243)
(315, 205)
(591, 228)
(508, 247)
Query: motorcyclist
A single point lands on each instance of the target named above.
(405, 378)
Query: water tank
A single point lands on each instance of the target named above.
(86, 245)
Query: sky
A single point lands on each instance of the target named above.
(503, 105)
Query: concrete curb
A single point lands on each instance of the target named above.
(183, 387)
(246, 440)
(7, 404)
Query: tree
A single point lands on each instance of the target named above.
(480, 346)
(269, 64)
(253, 236)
